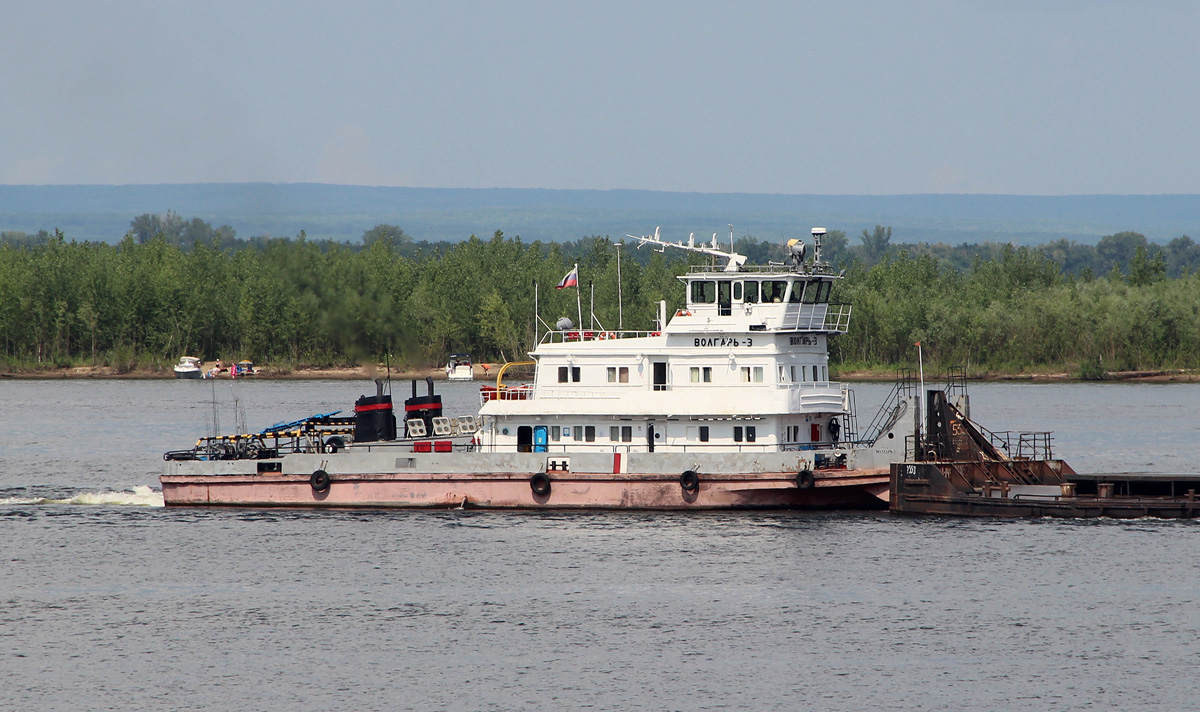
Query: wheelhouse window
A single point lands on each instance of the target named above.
(751, 292)
(774, 291)
(818, 292)
(724, 302)
(797, 292)
(704, 292)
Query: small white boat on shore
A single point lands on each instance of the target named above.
(188, 367)
(459, 368)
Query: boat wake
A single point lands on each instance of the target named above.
(138, 496)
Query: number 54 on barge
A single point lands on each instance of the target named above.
(727, 404)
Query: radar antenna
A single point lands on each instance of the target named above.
(733, 263)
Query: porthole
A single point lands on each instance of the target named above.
(504, 431)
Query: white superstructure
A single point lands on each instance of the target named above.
(742, 367)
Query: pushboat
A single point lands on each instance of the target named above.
(725, 404)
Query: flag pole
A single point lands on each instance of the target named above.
(578, 300)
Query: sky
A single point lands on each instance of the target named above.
(1026, 97)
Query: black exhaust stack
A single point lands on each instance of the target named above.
(373, 417)
(424, 408)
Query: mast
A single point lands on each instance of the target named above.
(620, 299)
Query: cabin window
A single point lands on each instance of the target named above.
(614, 433)
(622, 433)
(575, 374)
(701, 374)
(752, 374)
(618, 374)
(704, 292)
(694, 371)
(589, 433)
(703, 433)
(751, 295)
(737, 433)
(750, 434)
(555, 433)
(797, 292)
(563, 374)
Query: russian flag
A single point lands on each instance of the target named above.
(571, 280)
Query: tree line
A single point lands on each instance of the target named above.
(173, 287)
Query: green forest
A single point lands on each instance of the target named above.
(173, 287)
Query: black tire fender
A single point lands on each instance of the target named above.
(319, 481)
(689, 481)
(804, 479)
(336, 443)
(540, 484)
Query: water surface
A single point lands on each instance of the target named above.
(109, 603)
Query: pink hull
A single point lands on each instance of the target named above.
(833, 489)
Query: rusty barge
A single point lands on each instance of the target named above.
(957, 467)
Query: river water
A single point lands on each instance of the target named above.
(110, 601)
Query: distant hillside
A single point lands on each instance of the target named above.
(103, 213)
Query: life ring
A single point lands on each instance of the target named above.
(682, 312)
(540, 484)
(337, 442)
(319, 481)
(689, 481)
(804, 479)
